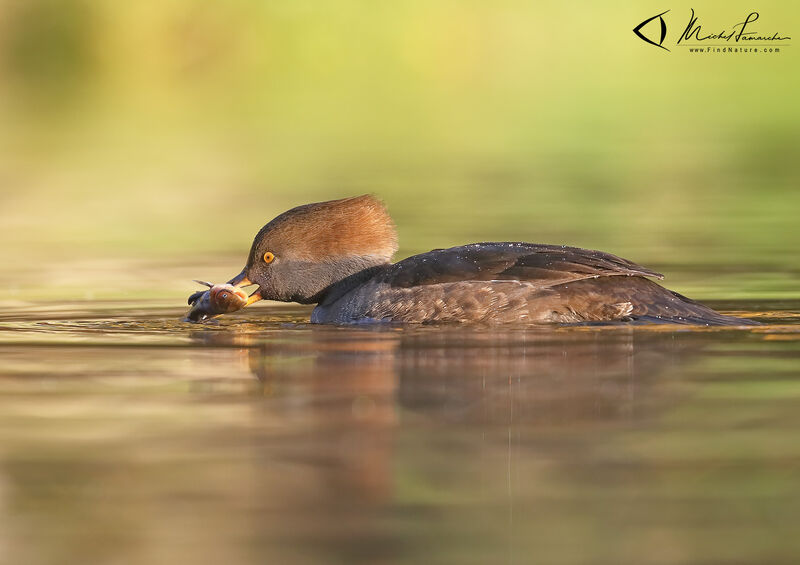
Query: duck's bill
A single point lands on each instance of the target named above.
(241, 280)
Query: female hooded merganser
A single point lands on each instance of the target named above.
(337, 255)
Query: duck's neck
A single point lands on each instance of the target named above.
(339, 288)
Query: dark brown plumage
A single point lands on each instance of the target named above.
(337, 254)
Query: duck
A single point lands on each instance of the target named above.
(338, 254)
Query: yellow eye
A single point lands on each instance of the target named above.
(268, 257)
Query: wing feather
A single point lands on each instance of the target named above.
(542, 265)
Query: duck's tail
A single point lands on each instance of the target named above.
(647, 302)
(679, 309)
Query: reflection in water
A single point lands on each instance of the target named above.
(142, 440)
(477, 375)
(362, 396)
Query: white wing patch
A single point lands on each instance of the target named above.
(624, 308)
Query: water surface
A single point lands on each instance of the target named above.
(129, 437)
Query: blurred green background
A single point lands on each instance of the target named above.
(143, 144)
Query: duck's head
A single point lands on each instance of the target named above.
(302, 252)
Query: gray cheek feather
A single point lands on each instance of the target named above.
(294, 280)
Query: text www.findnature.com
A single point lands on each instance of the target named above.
(734, 49)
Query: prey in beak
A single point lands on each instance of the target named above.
(220, 299)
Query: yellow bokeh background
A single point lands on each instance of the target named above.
(167, 133)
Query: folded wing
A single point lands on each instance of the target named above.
(541, 265)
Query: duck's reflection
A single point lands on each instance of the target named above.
(349, 396)
(468, 376)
